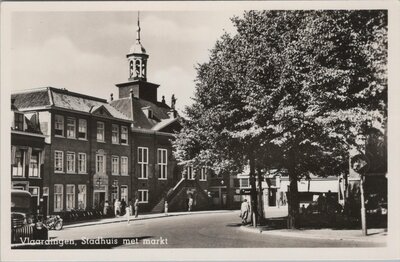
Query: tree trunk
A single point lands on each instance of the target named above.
(260, 196)
(293, 194)
(253, 192)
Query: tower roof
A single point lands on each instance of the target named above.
(137, 48)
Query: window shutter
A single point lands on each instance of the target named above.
(42, 156)
(28, 156)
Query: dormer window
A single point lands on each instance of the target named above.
(18, 121)
(148, 112)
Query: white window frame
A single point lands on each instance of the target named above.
(67, 206)
(115, 165)
(102, 129)
(162, 161)
(241, 182)
(143, 165)
(59, 122)
(203, 174)
(143, 195)
(84, 170)
(73, 171)
(84, 198)
(82, 125)
(124, 133)
(190, 172)
(20, 169)
(61, 195)
(124, 166)
(114, 134)
(37, 195)
(125, 197)
(55, 162)
(73, 129)
(31, 170)
(103, 169)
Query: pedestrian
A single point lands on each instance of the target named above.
(105, 209)
(130, 204)
(166, 208)
(136, 205)
(190, 204)
(123, 206)
(244, 211)
(127, 214)
(117, 207)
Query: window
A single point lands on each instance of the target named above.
(115, 134)
(18, 165)
(114, 192)
(34, 164)
(58, 198)
(71, 127)
(58, 161)
(70, 197)
(143, 153)
(203, 174)
(143, 196)
(244, 182)
(19, 121)
(124, 193)
(124, 165)
(190, 174)
(100, 131)
(81, 196)
(115, 165)
(70, 162)
(82, 163)
(124, 135)
(82, 129)
(35, 193)
(45, 191)
(162, 163)
(100, 164)
(59, 125)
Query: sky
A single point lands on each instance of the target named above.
(86, 51)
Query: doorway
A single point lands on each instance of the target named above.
(99, 198)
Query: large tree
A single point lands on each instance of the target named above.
(291, 87)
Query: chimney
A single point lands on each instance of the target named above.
(163, 100)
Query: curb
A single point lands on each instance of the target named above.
(143, 217)
(311, 236)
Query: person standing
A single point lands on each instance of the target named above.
(190, 204)
(117, 207)
(136, 205)
(105, 209)
(244, 211)
(123, 206)
(166, 208)
(130, 204)
(128, 214)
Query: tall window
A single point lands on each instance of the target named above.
(124, 193)
(203, 174)
(162, 163)
(81, 196)
(244, 182)
(190, 173)
(124, 135)
(70, 162)
(115, 134)
(82, 130)
(100, 131)
(124, 165)
(115, 165)
(143, 162)
(82, 163)
(58, 198)
(18, 165)
(71, 127)
(114, 193)
(58, 161)
(70, 197)
(100, 164)
(143, 195)
(59, 125)
(19, 121)
(34, 164)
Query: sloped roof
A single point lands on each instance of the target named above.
(64, 99)
(133, 107)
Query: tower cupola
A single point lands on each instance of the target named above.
(137, 58)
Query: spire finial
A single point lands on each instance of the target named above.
(138, 28)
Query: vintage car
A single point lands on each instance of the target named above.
(25, 223)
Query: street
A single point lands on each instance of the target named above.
(206, 230)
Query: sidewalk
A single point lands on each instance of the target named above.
(376, 235)
(132, 218)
